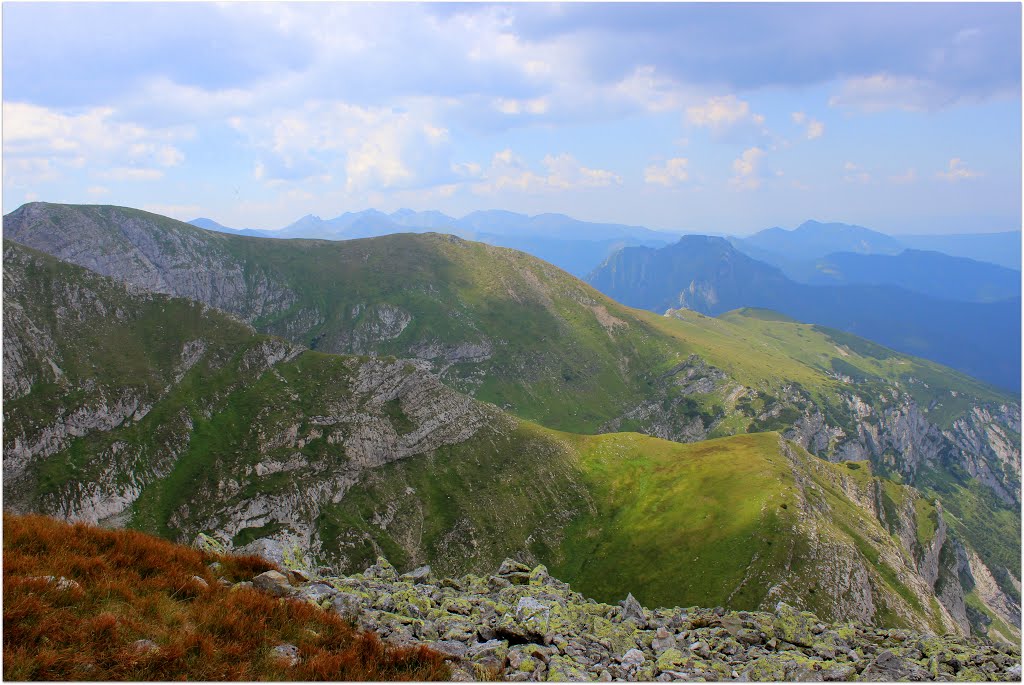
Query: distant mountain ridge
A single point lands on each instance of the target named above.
(710, 276)
(926, 272)
(580, 246)
(573, 245)
(814, 239)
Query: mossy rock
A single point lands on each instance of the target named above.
(562, 669)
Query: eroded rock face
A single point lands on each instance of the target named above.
(159, 258)
(540, 630)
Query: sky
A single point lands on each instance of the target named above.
(724, 118)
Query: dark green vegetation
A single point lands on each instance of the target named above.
(710, 276)
(252, 436)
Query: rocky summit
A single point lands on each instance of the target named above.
(523, 625)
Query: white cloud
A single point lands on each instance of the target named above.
(40, 144)
(369, 147)
(97, 190)
(508, 171)
(814, 128)
(957, 171)
(881, 92)
(673, 172)
(649, 89)
(724, 113)
(747, 169)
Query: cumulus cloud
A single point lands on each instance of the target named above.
(724, 113)
(673, 172)
(40, 143)
(369, 147)
(509, 171)
(957, 171)
(813, 127)
(747, 169)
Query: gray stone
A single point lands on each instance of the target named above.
(419, 575)
(512, 566)
(273, 582)
(452, 648)
(348, 605)
(663, 640)
(382, 569)
(794, 626)
(316, 592)
(145, 646)
(888, 667)
(286, 653)
(631, 609)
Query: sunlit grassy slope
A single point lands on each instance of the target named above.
(717, 522)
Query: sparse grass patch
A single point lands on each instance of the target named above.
(129, 586)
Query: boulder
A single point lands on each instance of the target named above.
(795, 627)
(381, 569)
(273, 582)
(888, 667)
(528, 622)
(348, 605)
(631, 610)
(510, 566)
(419, 575)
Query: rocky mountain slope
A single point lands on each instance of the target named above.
(132, 408)
(524, 625)
(509, 329)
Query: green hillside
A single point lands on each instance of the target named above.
(503, 328)
(350, 457)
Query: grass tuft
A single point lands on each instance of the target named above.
(130, 587)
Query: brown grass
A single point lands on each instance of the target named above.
(136, 587)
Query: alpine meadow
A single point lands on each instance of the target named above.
(287, 397)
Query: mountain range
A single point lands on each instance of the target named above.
(708, 275)
(568, 243)
(579, 246)
(450, 402)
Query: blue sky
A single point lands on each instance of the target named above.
(724, 118)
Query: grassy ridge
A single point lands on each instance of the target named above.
(717, 522)
(707, 511)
